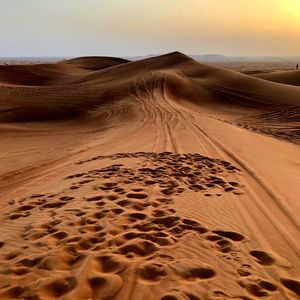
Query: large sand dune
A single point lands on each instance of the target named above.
(162, 178)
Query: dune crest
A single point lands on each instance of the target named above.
(162, 178)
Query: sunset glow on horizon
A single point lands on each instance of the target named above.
(136, 27)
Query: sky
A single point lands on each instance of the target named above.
(140, 27)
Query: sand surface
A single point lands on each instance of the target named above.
(156, 179)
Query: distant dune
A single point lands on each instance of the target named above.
(160, 178)
(95, 63)
(55, 73)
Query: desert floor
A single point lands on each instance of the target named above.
(156, 179)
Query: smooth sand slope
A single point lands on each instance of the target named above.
(157, 179)
(54, 74)
(286, 77)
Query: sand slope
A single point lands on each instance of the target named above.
(54, 74)
(156, 179)
(286, 77)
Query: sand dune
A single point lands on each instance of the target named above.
(162, 178)
(95, 63)
(54, 74)
(286, 77)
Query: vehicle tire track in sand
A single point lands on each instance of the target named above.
(259, 181)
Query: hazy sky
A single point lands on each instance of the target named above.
(139, 27)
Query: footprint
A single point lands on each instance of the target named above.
(151, 272)
(267, 285)
(21, 271)
(119, 191)
(100, 203)
(14, 254)
(105, 286)
(189, 224)
(221, 295)
(137, 216)
(59, 287)
(15, 216)
(60, 235)
(111, 263)
(168, 192)
(75, 176)
(94, 198)
(225, 246)
(30, 262)
(192, 269)
(167, 222)
(263, 257)
(137, 190)
(85, 181)
(213, 238)
(201, 273)
(257, 287)
(25, 207)
(245, 270)
(36, 196)
(158, 213)
(117, 211)
(291, 284)
(14, 292)
(130, 235)
(165, 200)
(137, 196)
(229, 189)
(110, 184)
(139, 246)
(124, 203)
(150, 182)
(54, 205)
(172, 296)
(234, 236)
(66, 198)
